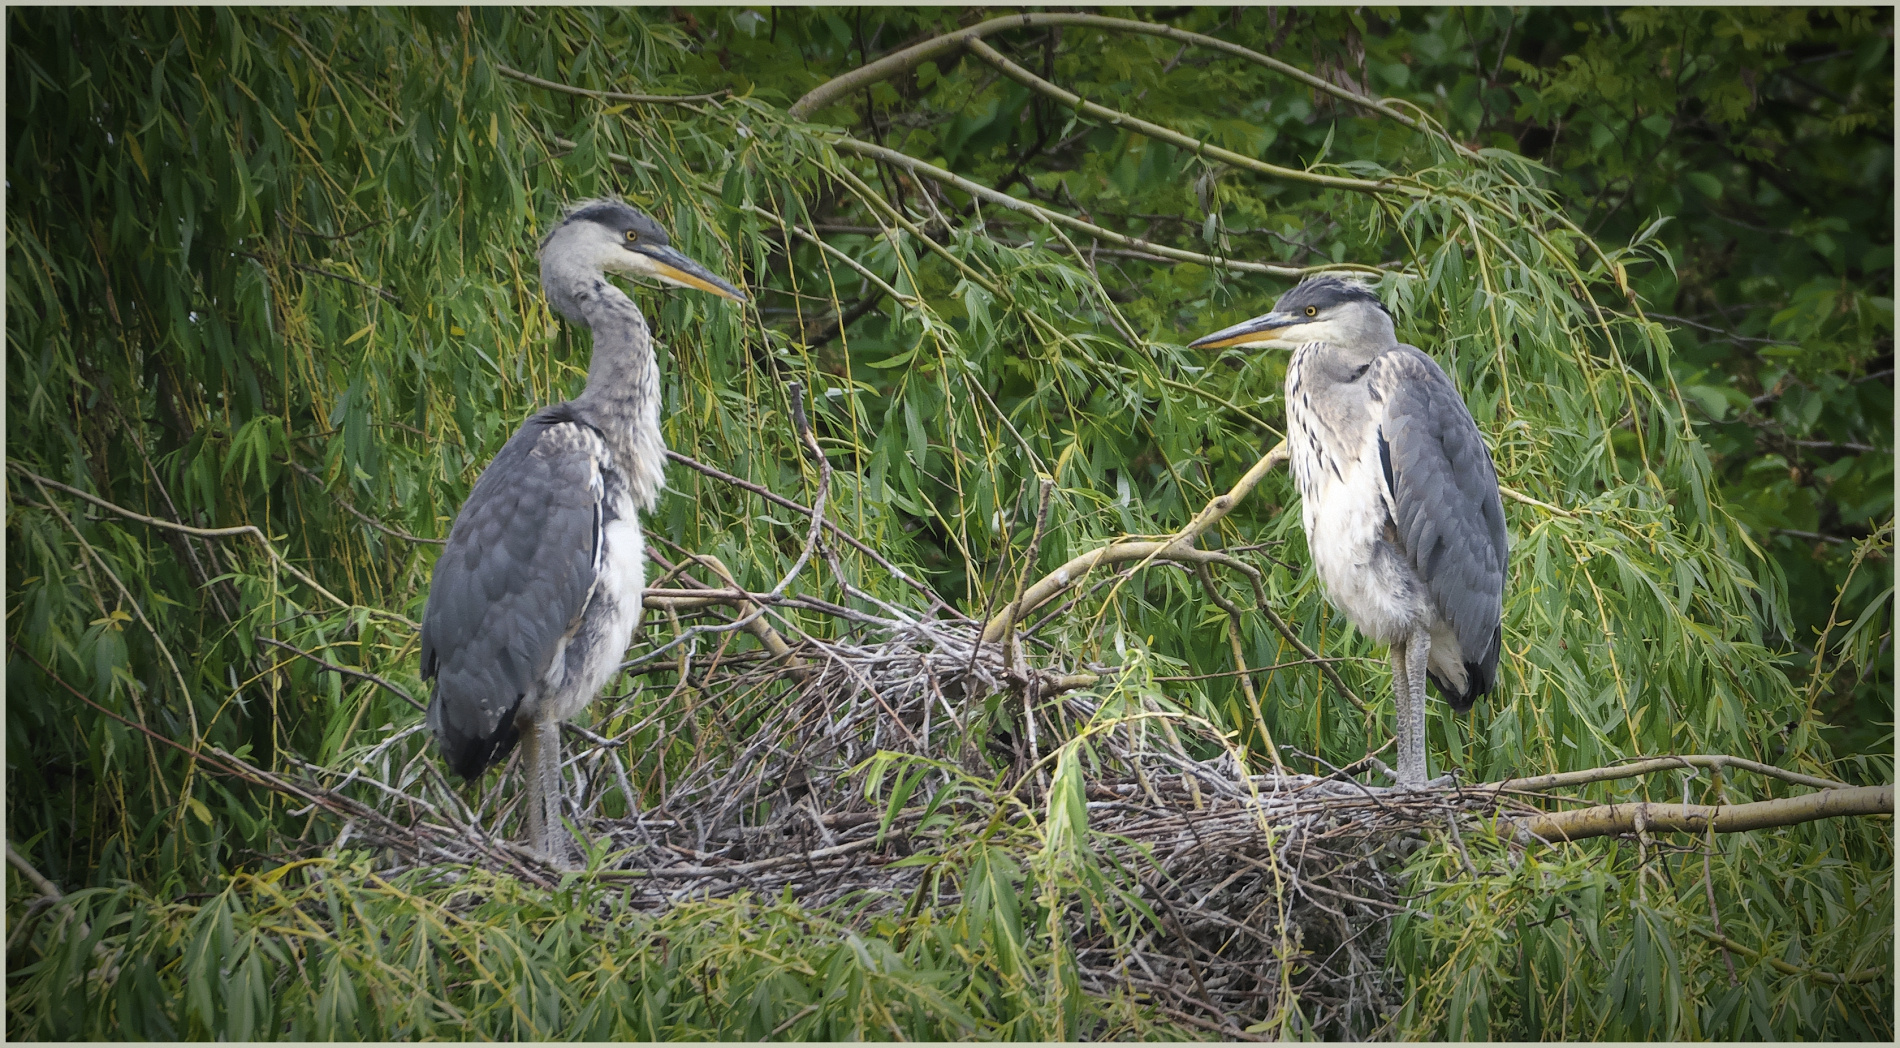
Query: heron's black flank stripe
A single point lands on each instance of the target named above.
(1385, 464)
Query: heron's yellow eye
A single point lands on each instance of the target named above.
(632, 236)
(1311, 311)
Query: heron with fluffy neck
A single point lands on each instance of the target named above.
(537, 594)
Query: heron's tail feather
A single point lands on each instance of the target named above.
(1480, 677)
(468, 750)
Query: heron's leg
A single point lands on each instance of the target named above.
(1401, 692)
(1408, 685)
(537, 807)
(554, 841)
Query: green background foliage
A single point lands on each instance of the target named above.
(277, 268)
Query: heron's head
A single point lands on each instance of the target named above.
(612, 236)
(1323, 308)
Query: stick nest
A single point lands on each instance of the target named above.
(1264, 886)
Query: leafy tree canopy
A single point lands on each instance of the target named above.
(274, 269)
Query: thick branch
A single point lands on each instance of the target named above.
(1607, 819)
(35, 877)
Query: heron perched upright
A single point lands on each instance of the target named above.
(537, 594)
(1399, 496)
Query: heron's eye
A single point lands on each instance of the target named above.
(1311, 311)
(632, 237)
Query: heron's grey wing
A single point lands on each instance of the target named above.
(1444, 501)
(520, 564)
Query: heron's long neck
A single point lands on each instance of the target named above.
(622, 398)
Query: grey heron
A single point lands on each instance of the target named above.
(1399, 495)
(536, 596)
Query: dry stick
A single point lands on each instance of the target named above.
(1178, 549)
(1607, 819)
(756, 625)
(212, 533)
(611, 96)
(1042, 214)
(747, 619)
(1048, 486)
(345, 670)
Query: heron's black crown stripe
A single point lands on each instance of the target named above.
(1326, 290)
(619, 216)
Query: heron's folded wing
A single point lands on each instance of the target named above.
(520, 563)
(1444, 492)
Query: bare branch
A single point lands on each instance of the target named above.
(1179, 549)
(1608, 819)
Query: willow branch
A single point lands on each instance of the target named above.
(779, 500)
(1042, 214)
(1518, 496)
(359, 514)
(1178, 549)
(33, 876)
(346, 671)
(812, 238)
(611, 96)
(1868, 975)
(1172, 137)
(1717, 761)
(1607, 819)
(210, 533)
(900, 62)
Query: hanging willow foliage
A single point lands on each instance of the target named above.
(272, 304)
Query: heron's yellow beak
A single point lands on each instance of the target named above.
(1264, 330)
(671, 266)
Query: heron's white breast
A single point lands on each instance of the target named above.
(589, 657)
(1345, 515)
